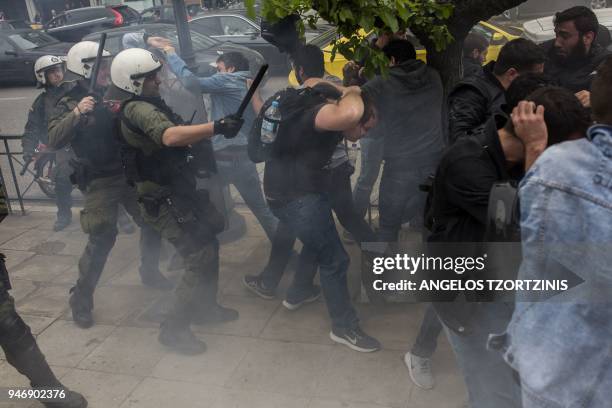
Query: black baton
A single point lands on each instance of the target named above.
(252, 89)
(96, 68)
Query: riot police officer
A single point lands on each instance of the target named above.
(20, 347)
(157, 159)
(49, 71)
(82, 120)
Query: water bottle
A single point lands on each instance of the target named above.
(269, 125)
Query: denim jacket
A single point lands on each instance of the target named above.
(562, 345)
(226, 92)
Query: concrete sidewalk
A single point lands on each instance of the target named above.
(270, 357)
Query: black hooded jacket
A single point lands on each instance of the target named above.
(473, 101)
(575, 75)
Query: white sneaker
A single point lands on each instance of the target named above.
(420, 371)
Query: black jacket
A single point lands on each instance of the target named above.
(575, 75)
(463, 182)
(474, 100)
(470, 67)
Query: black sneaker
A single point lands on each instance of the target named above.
(295, 304)
(71, 400)
(181, 340)
(355, 339)
(254, 284)
(215, 314)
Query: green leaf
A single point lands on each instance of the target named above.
(389, 20)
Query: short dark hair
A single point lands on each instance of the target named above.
(234, 59)
(583, 17)
(310, 58)
(601, 90)
(525, 85)
(520, 54)
(400, 50)
(474, 41)
(563, 113)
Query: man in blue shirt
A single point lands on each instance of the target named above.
(560, 346)
(227, 88)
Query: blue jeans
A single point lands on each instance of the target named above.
(372, 149)
(427, 339)
(401, 200)
(236, 168)
(490, 381)
(310, 218)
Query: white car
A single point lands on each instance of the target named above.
(543, 29)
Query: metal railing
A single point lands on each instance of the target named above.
(11, 158)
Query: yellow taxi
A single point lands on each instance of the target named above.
(497, 37)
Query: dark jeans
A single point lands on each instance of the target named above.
(372, 149)
(401, 200)
(282, 244)
(310, 218)
(427, 339)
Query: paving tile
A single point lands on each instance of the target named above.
(215, 367)
(66, 344)
(30, 220)
(21, 288)
(46, 301)
(309, 324)
(240, 251)
(156, 393)
(15, 257)
(10, 377)
(335, 403)
(37, 324)
(28, 240)
(43, 268)
(270, 366)
(379, 378)
(254, 315)
(9, 233)
(128, 350)
(394, 325)
(102, 390)
(251, 399)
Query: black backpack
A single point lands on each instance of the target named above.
(291, 103)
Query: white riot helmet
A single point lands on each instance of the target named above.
(130, 67)
(44, 64)
(81, 58)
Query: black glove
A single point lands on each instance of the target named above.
(229, 126)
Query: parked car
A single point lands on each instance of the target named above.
(539, 8)
(19, 50)
(497, 37)
(73, 25)
(17, 24)
(543, 29)
(206, 49)
(163, 14)
(238, 29)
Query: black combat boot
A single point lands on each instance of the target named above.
(22, 352)
(81, 305)
(178, 336)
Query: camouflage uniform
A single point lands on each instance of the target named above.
(166, 185)
(19, 345)
(99, 175)
(36, 132)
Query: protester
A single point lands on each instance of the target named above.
(81, 120)
(308, 63)
(463, 182)
(477, 98)
(418, 359)
(475, 48)
(574, 54)
(49, 71)
(227, 88)
(560, 345)
(409, 102)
